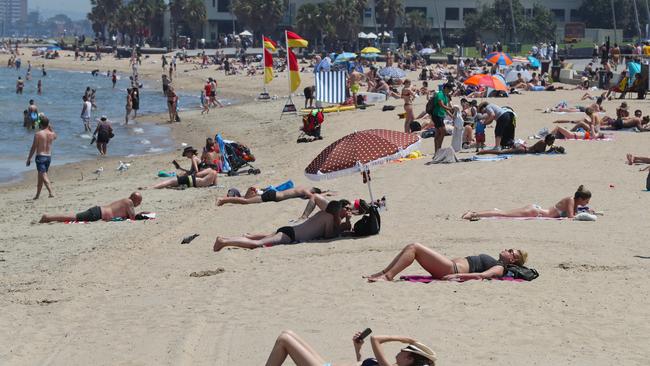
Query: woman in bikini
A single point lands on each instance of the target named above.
(172, 99)
(408, 95)
(192, 177)
(566, 207)
(302, 353)
(129, 105)
(475, 267)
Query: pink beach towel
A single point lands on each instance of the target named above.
(525, 218)
(428, 279)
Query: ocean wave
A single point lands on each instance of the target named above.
(154, 150)
(145, 142)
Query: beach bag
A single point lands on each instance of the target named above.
(431, 104)
(521, 272)
(369, 224)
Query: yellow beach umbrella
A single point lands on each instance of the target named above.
(370, 50)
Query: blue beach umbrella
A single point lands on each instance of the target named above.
(53, 48)
(345, 56)
(392, 72)
(534, 62)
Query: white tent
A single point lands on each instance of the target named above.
(371, 36)
(245, 34)
(386, 34)
(362, 35)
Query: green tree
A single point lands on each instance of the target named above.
(195, 17)
(103, 15)
(388, 11)
(151, 14)
(417, 24)
(345, 18)
(541, 26)
(314, 21)
(598, 14)
(261, 16)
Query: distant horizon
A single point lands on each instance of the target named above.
(75, 9)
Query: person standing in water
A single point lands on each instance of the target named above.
(39, 87)
(42, 146)
(129, 105)
(114, 78)
(20, 84)
(85, 113)
(43, 70)
(103, 133)
(135, 101)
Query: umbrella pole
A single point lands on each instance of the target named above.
(366, 171)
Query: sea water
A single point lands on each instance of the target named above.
(61, 102)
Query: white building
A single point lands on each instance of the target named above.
(446, 14)
(12, 12)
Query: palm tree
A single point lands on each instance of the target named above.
(388, 11)
(152, 12)
(345, 18)
(195, 15)
(417, 24)
(176, 9)
(103, 15)
(261, 16)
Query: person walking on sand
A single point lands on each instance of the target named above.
(124, 208)
(42, 147)
(85, 113)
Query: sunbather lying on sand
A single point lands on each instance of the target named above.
(442, 268)
(204, 178)
(290, 344)
(637, 121)
(563, 133)
(123, 208)
(590, 123)
(325, 224)
(252, 196)
(567, 207)
(538, 148)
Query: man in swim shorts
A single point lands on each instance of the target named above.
(252, 196)
(124, 208)
(42, 146)
(323, 225)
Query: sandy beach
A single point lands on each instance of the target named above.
(122, 294)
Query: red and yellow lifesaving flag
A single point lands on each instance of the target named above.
(294, 71)
(268, 66)
(295, 41)
(269, 44)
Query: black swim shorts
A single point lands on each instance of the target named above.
(269, 195)
(438, 121)
(186, 180)
(288, 231)
(91, 214)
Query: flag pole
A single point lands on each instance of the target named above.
(263, 65)
(286, 40)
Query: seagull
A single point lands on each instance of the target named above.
(123, 167)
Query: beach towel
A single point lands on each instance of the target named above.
(225, 166)
(606, 138)
(282, 187)
(429, 279)
(457, 135)
(444, 156)
(525, 218)
(491, 158)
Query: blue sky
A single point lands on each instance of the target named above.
(75, 9)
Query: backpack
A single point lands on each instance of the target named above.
(521, 272)
(431, 104)
(369, 224)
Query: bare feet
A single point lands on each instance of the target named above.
(220, 202)
(219, 244)
(630, 159)
(35, 197)
(381, 277)
(44, 219)
(469, 215)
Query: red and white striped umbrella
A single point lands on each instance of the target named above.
(358, 151)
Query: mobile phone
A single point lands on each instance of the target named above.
(363, 335)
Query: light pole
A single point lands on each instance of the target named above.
(614, 20)
(435, 8)
(636, 15)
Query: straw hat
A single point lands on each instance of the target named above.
(422, 350)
